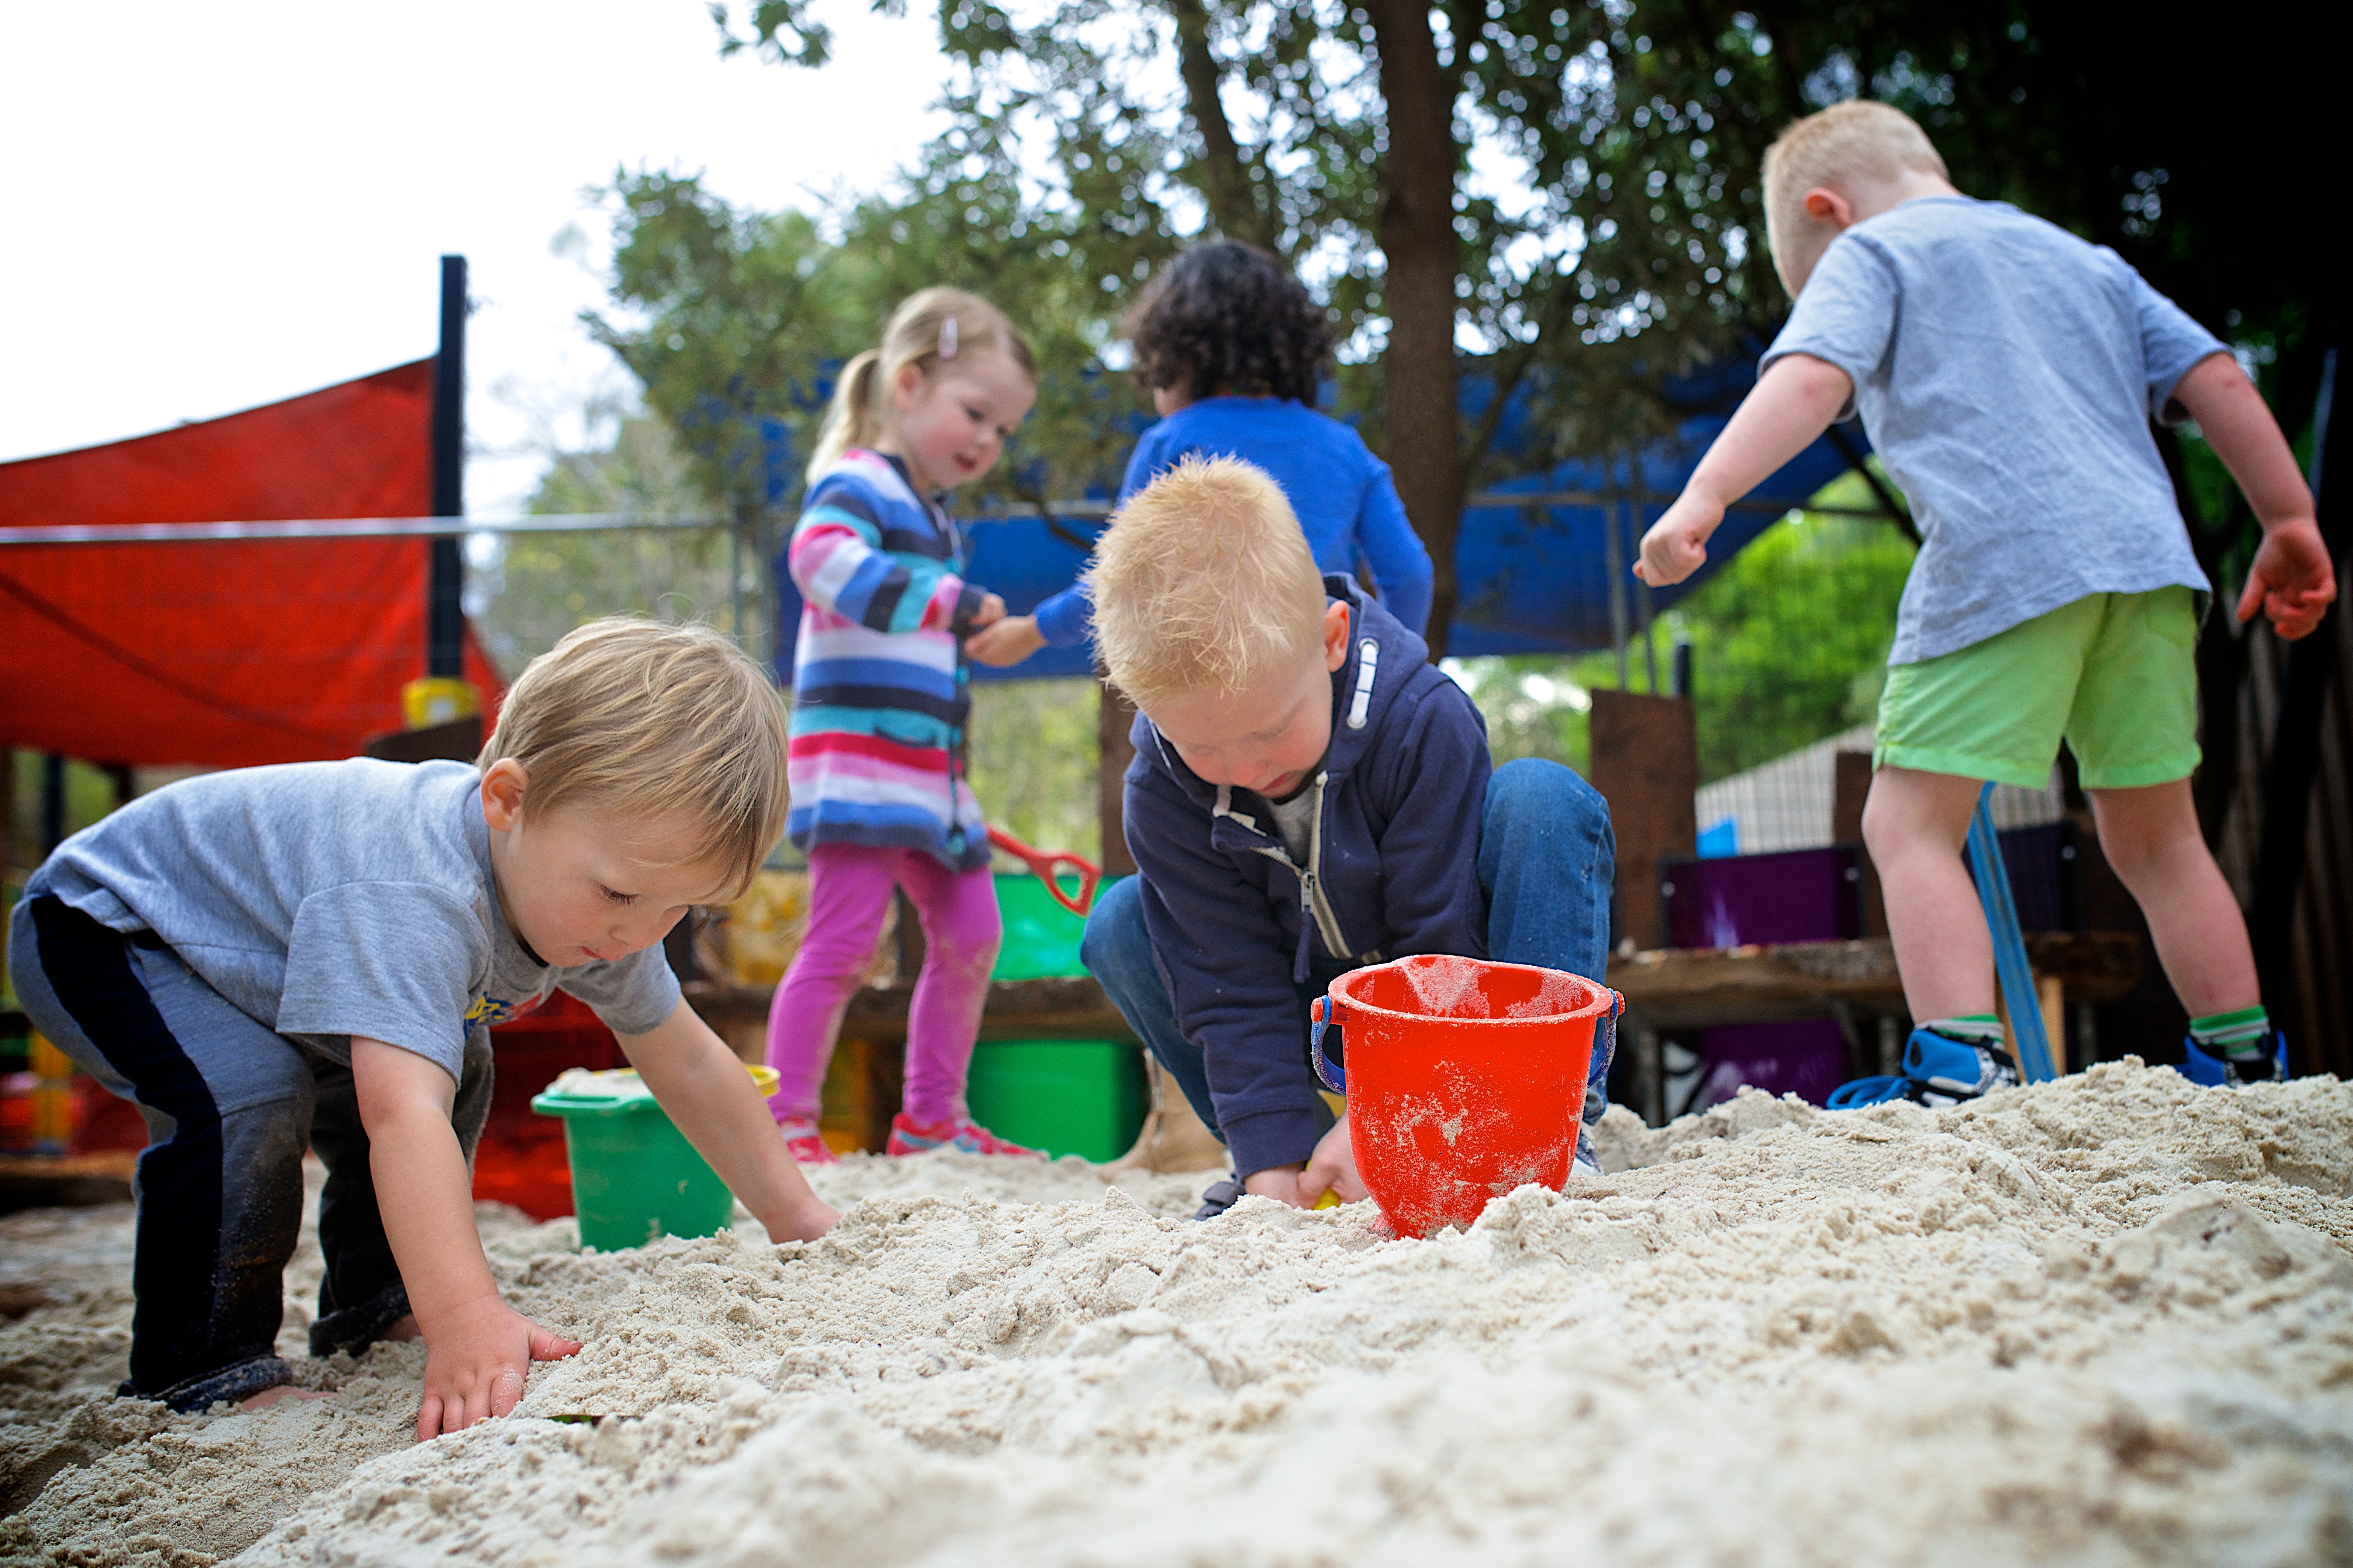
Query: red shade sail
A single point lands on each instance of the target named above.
(230, 653)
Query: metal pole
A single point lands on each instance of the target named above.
(1642, 616)
(53, 802)
(445, 624)
(1616, 562)
(735, 532)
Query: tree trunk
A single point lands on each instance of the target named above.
(1225, 179)
(1421, 415)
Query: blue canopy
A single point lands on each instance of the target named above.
(1534, 577)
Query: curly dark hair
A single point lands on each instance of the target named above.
(1227, 317)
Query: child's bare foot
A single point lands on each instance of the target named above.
(282, 1392)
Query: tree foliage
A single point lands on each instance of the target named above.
(1568, 188)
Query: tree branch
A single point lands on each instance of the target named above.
(1225, 177)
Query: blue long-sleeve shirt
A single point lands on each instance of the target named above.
(1343, 495)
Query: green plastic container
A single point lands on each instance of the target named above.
(1066, 1097)
(1041, 937)
(635, 1178)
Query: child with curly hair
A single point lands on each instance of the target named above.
(1229, 343)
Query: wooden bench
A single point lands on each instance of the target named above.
(1674, 990)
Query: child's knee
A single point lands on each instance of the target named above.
(1114, 929)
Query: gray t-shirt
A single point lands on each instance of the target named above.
(1295, 820)
(328, 900)
(2007, 372)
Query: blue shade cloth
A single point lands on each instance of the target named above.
(1719, 840)
(1531, 578)
(2008, 373)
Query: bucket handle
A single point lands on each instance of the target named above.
(1321, 1015)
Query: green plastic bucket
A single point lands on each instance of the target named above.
(1066, 1097)
(635, 1178)
(1041, 937)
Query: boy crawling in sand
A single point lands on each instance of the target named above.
(1309, 795)
(311, 956)
(2008, 373)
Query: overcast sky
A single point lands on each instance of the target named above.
(212, 208)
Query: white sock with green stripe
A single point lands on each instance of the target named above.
(2245, 1033)
(1970, 1029)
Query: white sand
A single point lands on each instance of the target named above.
(2104, 1320)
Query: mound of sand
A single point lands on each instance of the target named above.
(2104, 1319)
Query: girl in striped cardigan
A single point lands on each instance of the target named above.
(880, 701)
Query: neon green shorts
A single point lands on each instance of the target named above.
(2115, 673)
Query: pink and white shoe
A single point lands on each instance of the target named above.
(803, 1142)
(909, 1136)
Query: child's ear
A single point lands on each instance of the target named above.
(502, 786)
(1824, 205)
(906, 386)
(1336, 634)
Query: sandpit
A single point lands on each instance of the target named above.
(2109, 1319)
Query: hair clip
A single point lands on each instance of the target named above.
(947, 337)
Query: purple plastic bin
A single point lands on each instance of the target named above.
(1805, 1056)
(1795, 895)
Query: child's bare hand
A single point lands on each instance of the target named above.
(991, 611)
(476, 1354)
(1280, 1182)
(1676, 545)
(2291, 579)
(1332, 1168)
(805, 1223)
(1007, 642)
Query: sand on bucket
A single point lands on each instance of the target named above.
(2104, 1319)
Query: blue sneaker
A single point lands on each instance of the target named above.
(1938, 1071)
(2217, 1072)
(1877, 1090)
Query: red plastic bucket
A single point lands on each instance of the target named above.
(1465, 1079)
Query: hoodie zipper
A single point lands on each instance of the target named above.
(1311, 883)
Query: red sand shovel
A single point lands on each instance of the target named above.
(1465, 1079)
(1042, 863)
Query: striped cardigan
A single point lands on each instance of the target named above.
(879, 687)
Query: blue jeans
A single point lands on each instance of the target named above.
(1545, 862)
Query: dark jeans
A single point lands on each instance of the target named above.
(1545, 862)
(230, 1107)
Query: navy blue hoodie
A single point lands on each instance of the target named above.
(1392, 869)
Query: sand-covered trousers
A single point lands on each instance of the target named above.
(1547, 861)
(849, 892)
(231, 1105)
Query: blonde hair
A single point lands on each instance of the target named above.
(919, 334)
(1859, 139)
(1203, 580)
(643, 719)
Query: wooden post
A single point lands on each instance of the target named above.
(1646, 765)
(1114, 752)
(1850, 787)
(2051, 995)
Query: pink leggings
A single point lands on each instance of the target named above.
(849, 889)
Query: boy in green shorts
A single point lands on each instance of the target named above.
(2007, 373)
